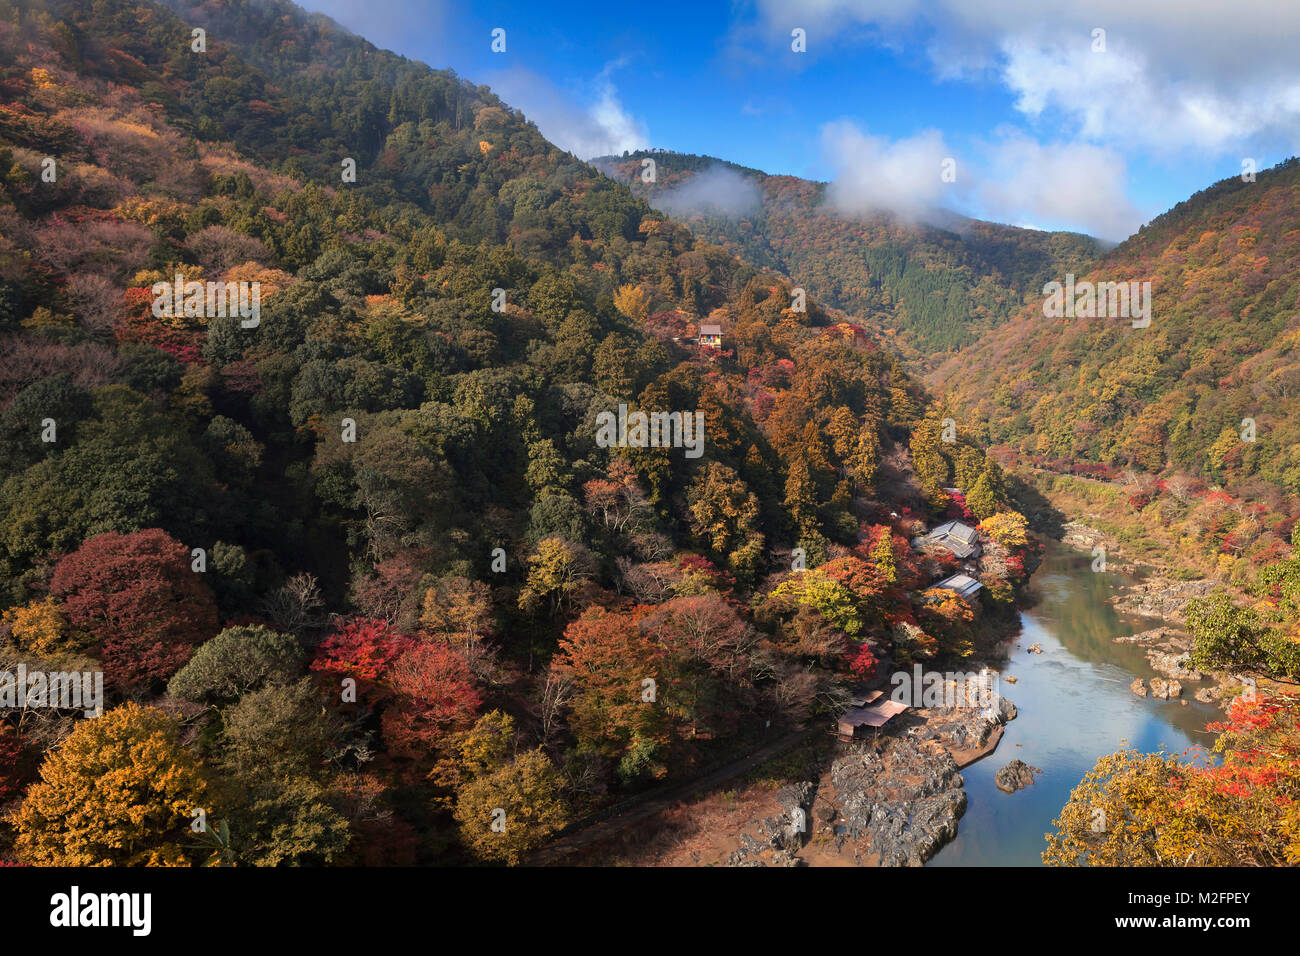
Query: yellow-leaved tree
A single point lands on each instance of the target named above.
(1007, 528)
(556, 572)
(506, 812)
(41, 628)
(632, 301)
(1158, 809)
(119, 791)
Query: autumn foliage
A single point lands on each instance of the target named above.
(138, 599)
(1159, 810)
(117, 792)
(433, 695)
(363, 649)
(12, 770)
(474, 605)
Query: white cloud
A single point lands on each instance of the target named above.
(874, 173)
(1118, 97)
(591, 122)
(1012, 179)
(717, 191)
(1056, 186)
(1175, 75)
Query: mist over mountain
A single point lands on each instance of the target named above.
(930, 281)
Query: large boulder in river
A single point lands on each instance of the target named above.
(1139, 686)
(1162, 689)
(1014, 776)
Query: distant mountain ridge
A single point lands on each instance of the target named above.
(932, 287)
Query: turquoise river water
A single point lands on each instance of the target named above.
(1075, 706)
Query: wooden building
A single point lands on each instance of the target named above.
(958, 537)
(868, 712)
(965, 585)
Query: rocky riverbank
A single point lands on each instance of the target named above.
(1152, 593)
(892, 801)
(1155, 596)
(1168, 650)
(1082, 537)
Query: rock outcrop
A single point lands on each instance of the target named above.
(1015, 776)
(1160, 597)
(902, 804)
(1175, 666)
(780, 838)
(963, 728)
(1162, 689)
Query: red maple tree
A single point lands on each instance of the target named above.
(433, 696)
(138, 599)
(363, 649)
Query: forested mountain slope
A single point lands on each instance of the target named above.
(932, 287)
(1222, 347)
(361, 557)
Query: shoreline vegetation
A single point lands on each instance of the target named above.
(1162, 573)
(832, 787)
(1226, 805)
(893, 799)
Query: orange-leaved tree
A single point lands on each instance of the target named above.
(1156, 810)
(119, 791)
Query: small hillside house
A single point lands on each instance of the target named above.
(963, 584)
(958, 537)
(711, 335)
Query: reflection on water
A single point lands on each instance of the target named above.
(1075, 706)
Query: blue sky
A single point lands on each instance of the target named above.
(1047, 127)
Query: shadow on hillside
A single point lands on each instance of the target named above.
(1042, 514)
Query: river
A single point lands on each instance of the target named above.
(1074, 706)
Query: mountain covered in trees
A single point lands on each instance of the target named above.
(358, 573)
(1222, 348)
(929, 287)
(1189, 419)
